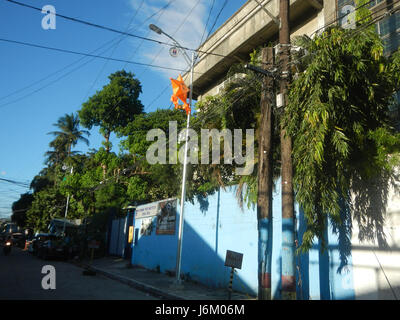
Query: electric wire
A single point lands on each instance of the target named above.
(216, 19)
(342, 16)
(148, 65)
(57, 71)
(173, 34)
(19, 183)
(111, 42)
(357, 30)
(69, 65)
(119, 31)
(208, 19)
(52, 82)
(159, 52)
(160, 12)
(87, 54)
(148, 106)
(115, 47)
(112, 53)
(360, 29)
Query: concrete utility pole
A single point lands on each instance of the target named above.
(264, 196)
(288, 246)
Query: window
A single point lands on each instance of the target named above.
(389, 30)
(394, 112)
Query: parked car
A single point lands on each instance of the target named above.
(36, 241)
(53, 247)
(18, 239)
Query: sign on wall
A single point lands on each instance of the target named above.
(147, 210)
(147, 226)
(165, 213)
(166, 217)
(130, 238)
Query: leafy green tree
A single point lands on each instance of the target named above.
(46, 205)
(20, 207)
(42, 180)
(237, 107)
(59, 152)
(145, 181)
(338, 117)
(113, 107)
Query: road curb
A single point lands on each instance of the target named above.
(134, 283)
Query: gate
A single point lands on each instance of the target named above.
(118, 237)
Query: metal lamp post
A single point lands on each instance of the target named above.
(183, 195)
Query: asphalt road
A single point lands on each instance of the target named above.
(21, 278)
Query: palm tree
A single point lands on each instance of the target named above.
(68, 135)
(59, 151)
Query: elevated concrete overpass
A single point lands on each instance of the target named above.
(249, 28)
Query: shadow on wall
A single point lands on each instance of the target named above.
(325, 274)
(203, 202)
(212, 226)
(216, 224)
(369, 205)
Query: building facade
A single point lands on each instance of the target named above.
(365, 255)
(251, 27)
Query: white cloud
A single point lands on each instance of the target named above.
(184, 20)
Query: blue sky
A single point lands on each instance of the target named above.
(38, 86)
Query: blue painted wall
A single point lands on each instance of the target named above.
(217, 223)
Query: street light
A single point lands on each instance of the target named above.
(155, 28)
(183, 195)
(181, 49)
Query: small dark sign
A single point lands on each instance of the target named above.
(93, 244)
(233, 259)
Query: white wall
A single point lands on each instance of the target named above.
(376, 270)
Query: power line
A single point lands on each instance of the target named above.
(180, 26)
(148, 32)
(69, 65)
(361, 28)
(341, 17)
(216, 19)
(114, 48)
(158, 96)
(159, 52)
(18, 183)
(173, 34)
(137, 48)
(54, 73)
(86, 54)
(53, 81)
(208, 19)
(119, 31)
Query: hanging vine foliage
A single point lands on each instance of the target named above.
(337, 115)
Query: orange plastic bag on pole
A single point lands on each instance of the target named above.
(179, 92)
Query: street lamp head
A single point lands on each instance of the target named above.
(155, 28)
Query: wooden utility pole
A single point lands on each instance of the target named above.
(265, 175)
(288, 247)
